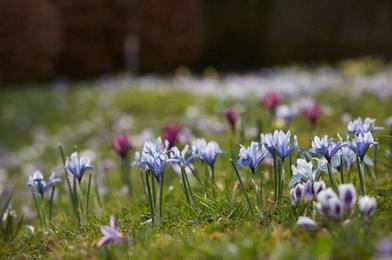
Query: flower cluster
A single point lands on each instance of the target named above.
(155, 157)
(329, 204)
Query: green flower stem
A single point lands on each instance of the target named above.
(241, 184)
(154, 192)
(51, 203)
(150, 199)
(125, 172)
(361, 176)
(341, 168)
(196, 175)
(88, 195)
(72, 196)
(332, 178)
(160, 183)
(184, 184)
(189, 188)
(275, 179)
(38, 210)
(375, 159)
(280, 180)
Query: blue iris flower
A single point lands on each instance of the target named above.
(361, 144)
(37, 182)
(251, 156)
(278, 143)
(362, 126)
(78, 167)
(326, 146)
(155, 157)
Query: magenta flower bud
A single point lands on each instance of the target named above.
(121, 144)
(312, 113)
(271, 100)
(231, 117)
(367, 207)
(347, 195)
(171, 133)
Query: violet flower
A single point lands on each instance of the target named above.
(347, 195)
(231, 117)
(297, 193)
(111, 234)
(312, 113)
(271, 100)
(171, 133)
(329, 205)
(121, 145)
(367, 206)
(306, 223)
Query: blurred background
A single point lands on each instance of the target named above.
(73, 39)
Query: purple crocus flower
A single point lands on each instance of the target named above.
(121, 145)
(297, 193)
(384, 249)
(326, 146)
(37, 182)
(336, 208)
(231, 117)
(362, 126)
(323, 201)
(171, 133)
(367, 206)
(312, 113)
(111, 234)
(361, 144)
(278, 143)
(318, 186)
(271, 100)
(306, 223)
(251, 156)
(347, 195)
(313, 188)
(78, 167)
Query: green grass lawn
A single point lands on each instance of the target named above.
(34, 121)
